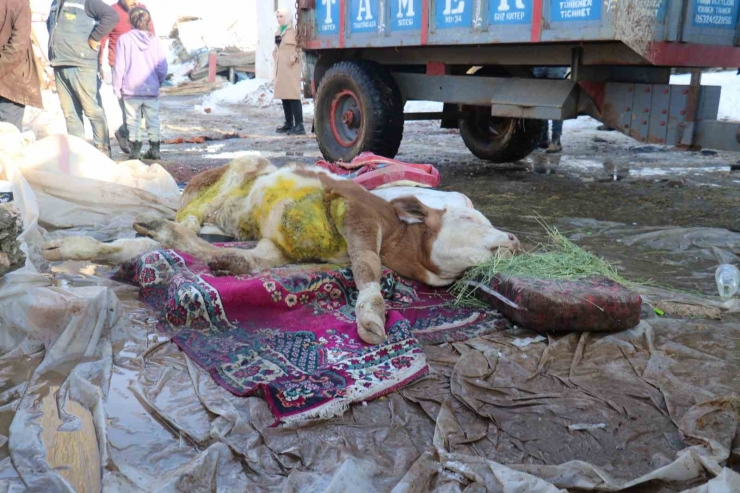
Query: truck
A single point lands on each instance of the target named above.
(364, 59)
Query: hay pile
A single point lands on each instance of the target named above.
(560, 258)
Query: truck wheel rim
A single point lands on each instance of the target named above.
(495, 129)
(346, 118)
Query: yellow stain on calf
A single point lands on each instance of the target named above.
(209, 195)
(307, 229)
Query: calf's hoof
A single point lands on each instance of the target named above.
(370, 311)
(72, 248)
(230, 264)
(153, 226)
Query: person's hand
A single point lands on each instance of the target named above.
(101, 73)
(294, 59)
(95, 45)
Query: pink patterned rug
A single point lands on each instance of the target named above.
(290, 333)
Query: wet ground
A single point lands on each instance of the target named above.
(602, 176)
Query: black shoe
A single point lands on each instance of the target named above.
(286, 128)
(544, 144)
(297, 130)
(153, 152)
(135, 150)
(554, 146)
(122, 141)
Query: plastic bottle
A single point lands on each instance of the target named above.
(728, 280)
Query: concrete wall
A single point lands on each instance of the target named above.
(266, 27)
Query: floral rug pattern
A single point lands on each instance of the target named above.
(290, 334)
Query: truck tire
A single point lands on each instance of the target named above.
(498, 139)
(358, 109)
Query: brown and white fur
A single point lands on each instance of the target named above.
(424, 244)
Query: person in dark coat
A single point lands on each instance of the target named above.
(75, 30)
(19, 79)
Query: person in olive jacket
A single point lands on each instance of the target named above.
(288, 74)
(19, 79)
(75, 30)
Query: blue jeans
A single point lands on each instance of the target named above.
(79, 92)
(552, 73)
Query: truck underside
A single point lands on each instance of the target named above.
(490, 94)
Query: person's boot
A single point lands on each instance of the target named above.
(122, 141)
(554, 146)
(286, 128)
(297, 130)
(544, 140)
(153, 152)
(135, 150)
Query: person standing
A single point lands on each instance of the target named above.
(288, 74)
(19, 80)
(140, 69)
(75, 30)
(551, 144)
(122, 8)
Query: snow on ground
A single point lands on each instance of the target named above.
(252, 92)
(422, 107)
(729, 102)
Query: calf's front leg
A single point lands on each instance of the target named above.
(85, 248)
(364, 253)
(222, 261)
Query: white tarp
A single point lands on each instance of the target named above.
(76, 186)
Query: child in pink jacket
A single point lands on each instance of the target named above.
(140, 69)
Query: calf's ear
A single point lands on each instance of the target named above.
(410, 209)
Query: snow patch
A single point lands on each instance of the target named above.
(729, 101)
(253, 92)
(422, 107)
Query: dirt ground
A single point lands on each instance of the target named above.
(600, 176)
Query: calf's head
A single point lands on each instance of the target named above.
(455, 238)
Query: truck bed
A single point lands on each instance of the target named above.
(678, 33)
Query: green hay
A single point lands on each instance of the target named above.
(559, 259)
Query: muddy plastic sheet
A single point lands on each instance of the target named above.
(76, 186)
(683, 258)
(656, 403)
(100, 400)
(92, 398)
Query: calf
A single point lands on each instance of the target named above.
(305, 214)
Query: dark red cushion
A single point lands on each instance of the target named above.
(586, 305)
